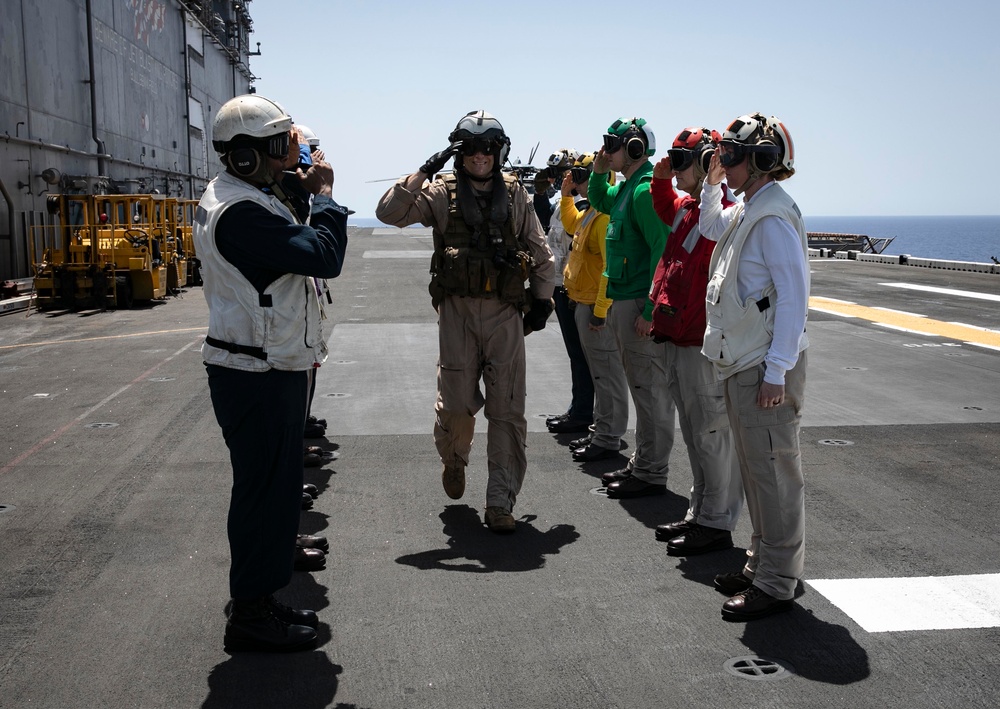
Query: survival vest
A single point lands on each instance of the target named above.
(485, 261)
(628, 255)
(254, 331)
(678, 291)
(738, 334)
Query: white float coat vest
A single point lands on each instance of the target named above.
(279, 328)
(738, 334)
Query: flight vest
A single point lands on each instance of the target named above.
(679, 308)
(254, 331)
(738, 334)
(487, 261)
(627, 253)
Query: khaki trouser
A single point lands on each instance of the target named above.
(767, 443)
(610, 386)
(717, 491)
(647, 369)
(482, 338)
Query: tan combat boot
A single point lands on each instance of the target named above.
(453, 479)
(499, 520)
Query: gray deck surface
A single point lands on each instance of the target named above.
(114, 561)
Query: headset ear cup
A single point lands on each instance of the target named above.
(244, 161)
(706, 157)
(765, 162)
(635, 148)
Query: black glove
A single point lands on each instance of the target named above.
(537, 314)
(596, 321)
(436, 161)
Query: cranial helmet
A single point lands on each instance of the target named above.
(250, 119)
(245, 129)
(483, 129)
(693, 146)
(311, 138)
(632, 134)
(583, 166)
(765, 141)
(562, 159)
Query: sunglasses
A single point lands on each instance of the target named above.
(478, 145)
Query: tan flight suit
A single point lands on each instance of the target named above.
(479, 338)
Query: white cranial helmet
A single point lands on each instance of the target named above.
(252, 118)
(311, 137)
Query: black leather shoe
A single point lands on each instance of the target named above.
(310, 490)
(292, 616)
(569, 425)
(312, 541)
(616, 476)
(549, 420)
(307, 501)
(253, 627)
(753, 604)
(580, 442)
(731, 584)
(309, 559)
(634, 487)
(700, 540)
(591, 453)
(666, 532)
(314, 430)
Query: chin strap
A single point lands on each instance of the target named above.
(278, 192)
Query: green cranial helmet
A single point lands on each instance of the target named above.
(632, 134)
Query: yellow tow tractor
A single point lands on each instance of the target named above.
(104, 252)
(186, 209)
(164, 215)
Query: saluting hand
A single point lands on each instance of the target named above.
(567, 184)
(602, 162)
(715, 170)
(662, 170)
(318, 179)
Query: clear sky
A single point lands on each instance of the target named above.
(891, 105)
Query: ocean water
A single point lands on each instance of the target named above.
(953, 238)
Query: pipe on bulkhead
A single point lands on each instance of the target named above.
(93, 93)
(10, 225)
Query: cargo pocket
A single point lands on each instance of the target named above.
(712, 400)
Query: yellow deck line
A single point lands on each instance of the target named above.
(917, 323)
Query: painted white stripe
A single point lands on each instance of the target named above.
(945, 291)
(980, 344)
(919, 603)
(905, 329)
(901, 312)
(974, 327)
(425, 254)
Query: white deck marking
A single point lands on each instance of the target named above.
(918, 603)
(905, 329)
(900, 312)
(945, 291)
(425, 254)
